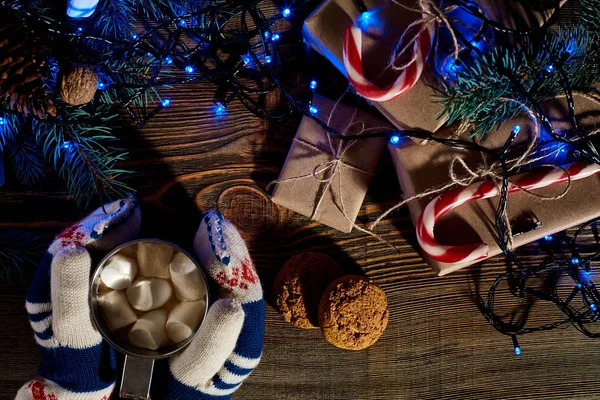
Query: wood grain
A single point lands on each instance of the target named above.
(437, 345)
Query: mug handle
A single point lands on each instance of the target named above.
(136, 378)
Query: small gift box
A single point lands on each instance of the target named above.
(324, 178)
(385, 23)
(535, 215)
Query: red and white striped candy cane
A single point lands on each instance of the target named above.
(352, 54)
(483, 190)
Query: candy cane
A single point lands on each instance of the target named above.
(483, 190)
(352, 54)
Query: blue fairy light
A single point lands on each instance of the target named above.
(550, 68)
(286, 12)
(135, 36)
(182, 23)
(101, 85)
(579, 285)
(313, 110)
(169, 60)
(166, 102)
(66, 145)
(246, 59)
(268, 59)
(267, 35)
(2, 120)
(575, 261)
(516, 130)
(189, 69)
(395, 139)
(368, 19)
(548, 238)
(79, 30)
(518, 350)
(220, 109)
(313, 85)
(588, 272)
(593, 307)
(275, 37)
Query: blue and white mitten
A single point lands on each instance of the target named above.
(76, 363)
(229, 344)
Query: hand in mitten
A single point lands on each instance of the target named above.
(76, 363)
(229, 344)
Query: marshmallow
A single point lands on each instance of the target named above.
(117, 312)
(185, 319)
(186, 278)
(147, 294)
(119, 272)
(154, 258)
(149, 331)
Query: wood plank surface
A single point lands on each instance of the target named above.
(437, 344)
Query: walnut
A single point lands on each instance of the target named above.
(78, 84)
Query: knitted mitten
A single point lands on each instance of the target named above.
(229, 344)
(76, 363)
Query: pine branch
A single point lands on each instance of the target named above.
(78, 147)
(26, 159)
(115, 18)
(10, 125)
(474, 92)
(20, 253)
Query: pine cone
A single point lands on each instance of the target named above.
(22, 67)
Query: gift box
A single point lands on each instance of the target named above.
(421, 167)
(324, 178)
(417, 109)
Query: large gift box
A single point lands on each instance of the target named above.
(421, 167)
(418, 108)
(324, 178)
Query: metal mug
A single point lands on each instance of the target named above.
(139, 363)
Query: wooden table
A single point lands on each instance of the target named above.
(437, 344)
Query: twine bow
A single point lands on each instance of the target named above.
(326, 172)
(491, 171)
(432, 14)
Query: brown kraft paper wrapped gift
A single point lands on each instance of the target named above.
(422, 167)
(343, 184)
(324, 30)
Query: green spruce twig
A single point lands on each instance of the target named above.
(20, 253)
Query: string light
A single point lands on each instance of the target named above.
(395, 139)
(166, 102)
(550, 68)
(135, 36)
(268, 59)
(313, 85)
(516, 347)
(275, 37)
(66, 145)
(169, 60)
(313, 110)
(548, 238)
(267, 35)
(593, 307)
(516, 129)
(220, 108)
(246, 59)
(2, 120)
(286, 12)
(101, 85)
(189, 69)
(574, 260)
(79, 29)
(579, 285)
